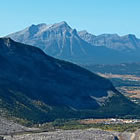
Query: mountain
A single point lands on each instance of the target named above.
(58, 40)
(126, 48)
(61, 41)
(128, 43)
(39, 88)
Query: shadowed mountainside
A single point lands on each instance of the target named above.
(39, 88)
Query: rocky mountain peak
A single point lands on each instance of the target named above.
(63, 23)
(58, 40)
(62, 26)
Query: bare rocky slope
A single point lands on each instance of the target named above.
(9, 127)
(89, 134)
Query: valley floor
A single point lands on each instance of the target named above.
(128, 85)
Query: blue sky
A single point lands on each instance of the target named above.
(95, 16)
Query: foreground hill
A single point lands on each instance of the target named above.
(39, 88)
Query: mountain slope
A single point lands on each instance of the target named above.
(40, 88)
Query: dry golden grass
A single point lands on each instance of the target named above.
(93, 121)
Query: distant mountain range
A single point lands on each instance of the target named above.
(128, 43)
(61, 41)
(58, 40)
(39, 88)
